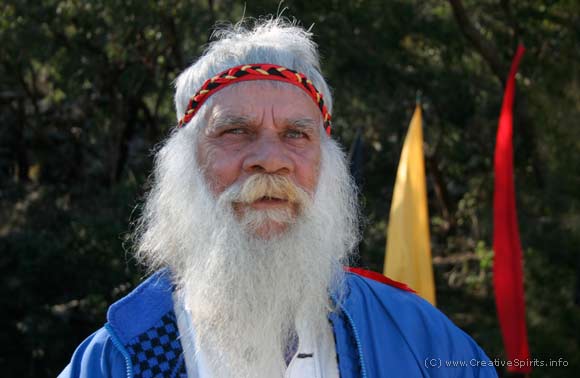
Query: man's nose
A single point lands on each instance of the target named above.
(268, 155)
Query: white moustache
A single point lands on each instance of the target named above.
(260, 186)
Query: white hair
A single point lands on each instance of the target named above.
(247, 295)
(273, 41)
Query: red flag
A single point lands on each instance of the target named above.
(507, 265)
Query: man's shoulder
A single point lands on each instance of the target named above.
(373, 292)
(143, 307)
(368, 286)
(398, 321)
(379, 278)
(140, 324)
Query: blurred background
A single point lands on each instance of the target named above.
(86, 94)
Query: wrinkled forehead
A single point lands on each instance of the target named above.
(250, 102)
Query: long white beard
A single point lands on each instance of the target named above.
(245, 294)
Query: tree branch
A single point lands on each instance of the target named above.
(441, 194)
(485, 47)
(513, 22)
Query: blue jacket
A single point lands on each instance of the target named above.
(380, 331)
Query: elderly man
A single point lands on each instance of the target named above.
(250, 219)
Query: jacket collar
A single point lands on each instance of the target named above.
(143, 307)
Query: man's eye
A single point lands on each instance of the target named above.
(236, 131)
(295, 134)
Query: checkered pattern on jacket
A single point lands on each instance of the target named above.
(157, 352)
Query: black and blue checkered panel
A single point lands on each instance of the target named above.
(157, 352)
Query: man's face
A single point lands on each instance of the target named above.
(260, 128)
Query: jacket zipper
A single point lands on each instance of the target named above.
(358, 343)
(121, 348)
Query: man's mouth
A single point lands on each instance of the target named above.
(266, 202)
(271, 198)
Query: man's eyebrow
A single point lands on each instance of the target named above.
(303, 123)
(227, 120)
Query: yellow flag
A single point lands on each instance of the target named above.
(408, 254)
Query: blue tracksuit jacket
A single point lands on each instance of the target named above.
(380, 331)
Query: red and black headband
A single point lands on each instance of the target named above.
(249, 72)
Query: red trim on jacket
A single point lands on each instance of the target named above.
(378, 277)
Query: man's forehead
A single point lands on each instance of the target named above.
(245, 104)
(224, 117)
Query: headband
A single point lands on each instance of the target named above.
(249, 72)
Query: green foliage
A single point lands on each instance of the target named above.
(85, 95)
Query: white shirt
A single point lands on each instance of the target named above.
(313, 358)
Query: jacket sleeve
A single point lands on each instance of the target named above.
(404, 335)
(96, 357)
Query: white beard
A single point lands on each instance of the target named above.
(245, 294)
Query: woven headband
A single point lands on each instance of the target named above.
(249, 72)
